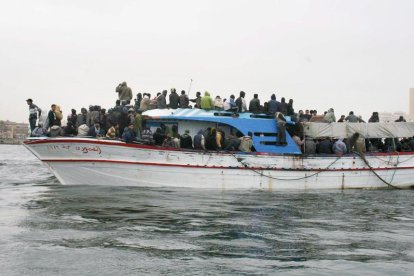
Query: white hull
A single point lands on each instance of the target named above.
(94, 162)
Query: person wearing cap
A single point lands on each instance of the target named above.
(34, 113)
(186, 142)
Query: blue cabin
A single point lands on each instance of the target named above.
(261, 127)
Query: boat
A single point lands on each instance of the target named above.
(94, 161)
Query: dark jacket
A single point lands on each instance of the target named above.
(272, 106)
(128, 135)
(239, 103)
(254, 105)
(174, 100)
(186, 142)
(92, 132)
(324, 147)
(161, 102)
(53, 121)
(184, 101)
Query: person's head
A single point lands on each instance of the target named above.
(351, 113)
(103, 111)
(331, 110)
(118, 102)
(306, 111)
(198, 94)
(206, 93)
(131, 126)
(375, 114)
(139, 96)
(187, 132)
(242, 94)
(131, 110)
(182, 92)
(218, 97)
(164, 92)
(123, 102)
(300, 112)
(255, 96)
(283, 100)
(29, 101)
(115, 125)
(173, 90)
(124, 83)
(97, 125)
(290, 101)
(342, 116)
(84, 111)
(273, 97)
(73, 111)
(53, 107)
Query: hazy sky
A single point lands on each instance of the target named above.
(350, 55)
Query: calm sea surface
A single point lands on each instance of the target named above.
(50, 229)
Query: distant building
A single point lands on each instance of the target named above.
(11, 132)
(391, 116)
(411, 105)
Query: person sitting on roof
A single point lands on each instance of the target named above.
(254, 105)
(197, 100)
(207, 102)
(174, 99)
(218, 104)
(374, 118)
(330, 116)
(342, 119)
(199, 140)
(186, 142)
(272, 105)
(184, 101)
(283, 106)
(145, 102)
(290, 110)
(162, 100)
(241, 102)
(233, 105)
(351, 118)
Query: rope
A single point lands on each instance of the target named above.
(285, 179)
(376, 174)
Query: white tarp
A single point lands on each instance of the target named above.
(367, 130)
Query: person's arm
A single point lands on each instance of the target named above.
(203, 144)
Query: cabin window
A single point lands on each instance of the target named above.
(226, 114)
(265, 134)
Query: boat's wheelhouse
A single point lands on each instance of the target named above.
(262, 128)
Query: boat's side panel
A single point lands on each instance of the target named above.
(119, 174)
(87, 161)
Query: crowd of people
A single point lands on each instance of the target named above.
(125, 121)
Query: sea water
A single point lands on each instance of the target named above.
(50, 229)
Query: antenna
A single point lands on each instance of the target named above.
(189, 88)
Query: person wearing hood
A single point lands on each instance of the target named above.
(374, 118)
(199, 140)
(339, 147)
(174, 99)
(207, 102)
(186, 142)
(272, 105)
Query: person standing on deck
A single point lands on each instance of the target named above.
(124, 92)
(34, 113)
(281, 129)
